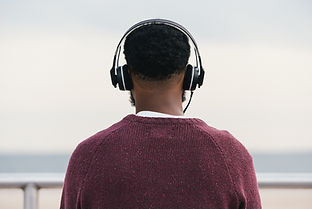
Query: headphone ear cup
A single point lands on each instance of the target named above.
(190, 78)
(123, 78)
(113, 77)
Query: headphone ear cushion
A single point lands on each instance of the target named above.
(190, 78)
(123, 78)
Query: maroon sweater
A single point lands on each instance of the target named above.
(160, 163)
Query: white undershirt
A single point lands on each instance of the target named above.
(146, 113)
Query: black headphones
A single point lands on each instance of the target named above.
(193, 75)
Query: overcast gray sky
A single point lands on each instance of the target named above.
(55, 58)
(281, 21)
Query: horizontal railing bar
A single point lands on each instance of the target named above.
(41, 180)
(284, 180)
(56, 180)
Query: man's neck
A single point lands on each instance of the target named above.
(163, 100)
(162, 105)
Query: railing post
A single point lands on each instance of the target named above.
(30, 196)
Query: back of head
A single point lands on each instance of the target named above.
(155, 52)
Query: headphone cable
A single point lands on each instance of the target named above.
(188, 102)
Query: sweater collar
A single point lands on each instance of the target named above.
(147, 113)
(162, 120)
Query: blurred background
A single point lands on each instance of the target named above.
(55, 88)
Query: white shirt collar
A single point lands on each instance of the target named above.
(146, 113)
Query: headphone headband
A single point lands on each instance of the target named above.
(164, 22)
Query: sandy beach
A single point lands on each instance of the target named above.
(271, 198)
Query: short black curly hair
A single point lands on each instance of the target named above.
(156, 51)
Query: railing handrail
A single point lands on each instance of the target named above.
(41, 180)
(284, 180)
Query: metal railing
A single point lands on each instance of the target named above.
(32, 182)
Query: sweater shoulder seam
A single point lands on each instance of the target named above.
(223, 157)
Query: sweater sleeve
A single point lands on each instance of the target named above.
(76, 171)
(241, 170)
